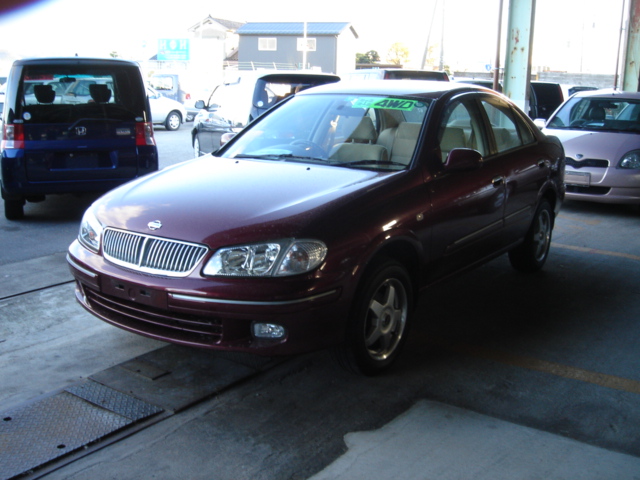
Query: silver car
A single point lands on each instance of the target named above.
(166, 111)
(600, 132)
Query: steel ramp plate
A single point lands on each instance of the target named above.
(35, 434)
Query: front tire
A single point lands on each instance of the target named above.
(531, 255)
(196, 147)
(173, 121)
(379, 320)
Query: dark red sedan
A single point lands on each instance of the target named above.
(320, 223)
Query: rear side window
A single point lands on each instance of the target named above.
(64, 93)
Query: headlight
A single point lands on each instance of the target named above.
(280, 258)
(90, 231)
(631, 160)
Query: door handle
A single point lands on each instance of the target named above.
(497, 181)
(543, 163)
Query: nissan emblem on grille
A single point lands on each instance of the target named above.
(155, 225)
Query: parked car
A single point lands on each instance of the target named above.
(78, 91)
(319, 223)
(96, 143)
(59, 87)
(170, 85)
(2, 90)
(396, 74)
(544, 97)
(232, 105)
(600, 131)
(568, 90)
(483, 82)
(165, 111)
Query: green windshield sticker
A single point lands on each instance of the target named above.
(389, 103)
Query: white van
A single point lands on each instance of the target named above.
(234, 104)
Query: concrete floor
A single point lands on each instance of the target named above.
(505, 376)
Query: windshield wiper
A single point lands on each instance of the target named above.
(280, 156)
(372, 162)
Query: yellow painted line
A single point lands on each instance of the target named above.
(597, 252)
(581, 220)
(557, 369)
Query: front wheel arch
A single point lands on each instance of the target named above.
(531, 255)
(379, 318)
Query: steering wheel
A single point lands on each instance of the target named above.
(313, 149)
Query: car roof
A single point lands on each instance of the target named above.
(297, 74)
(431, 88)
(608, 93)
(74, 60)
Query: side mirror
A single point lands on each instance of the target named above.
(199, 104)
(225, 137)
(461, 159)
(540, 123)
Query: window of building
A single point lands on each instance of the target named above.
(311, 44)
(268, 44)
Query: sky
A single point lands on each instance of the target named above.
(569, 35)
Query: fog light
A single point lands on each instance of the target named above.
(268, 330)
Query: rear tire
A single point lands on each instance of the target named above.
(531, 255)
(173, 121)
(379, 320)
(14, 208)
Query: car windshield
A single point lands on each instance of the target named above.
(353, 131)
(611, 114)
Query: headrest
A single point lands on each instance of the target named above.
(408, 130)
(99, 92)
(44, 93)
(364, 131)
(597, 113)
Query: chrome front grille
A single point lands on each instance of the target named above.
(153, 255)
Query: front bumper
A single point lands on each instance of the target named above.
(603, 185)
(177, 311)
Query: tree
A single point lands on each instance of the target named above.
(370, 57)
(398, 54)
(114, 54)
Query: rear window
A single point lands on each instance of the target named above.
(65, 93)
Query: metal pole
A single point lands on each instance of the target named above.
(496, 65)
(426, 47)
(617, 75)
(304, 47)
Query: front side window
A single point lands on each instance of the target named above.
(460, 128)
(337, 130)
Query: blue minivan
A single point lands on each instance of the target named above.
(73, 125)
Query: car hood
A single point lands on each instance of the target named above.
(216, 200)
(580, 144)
